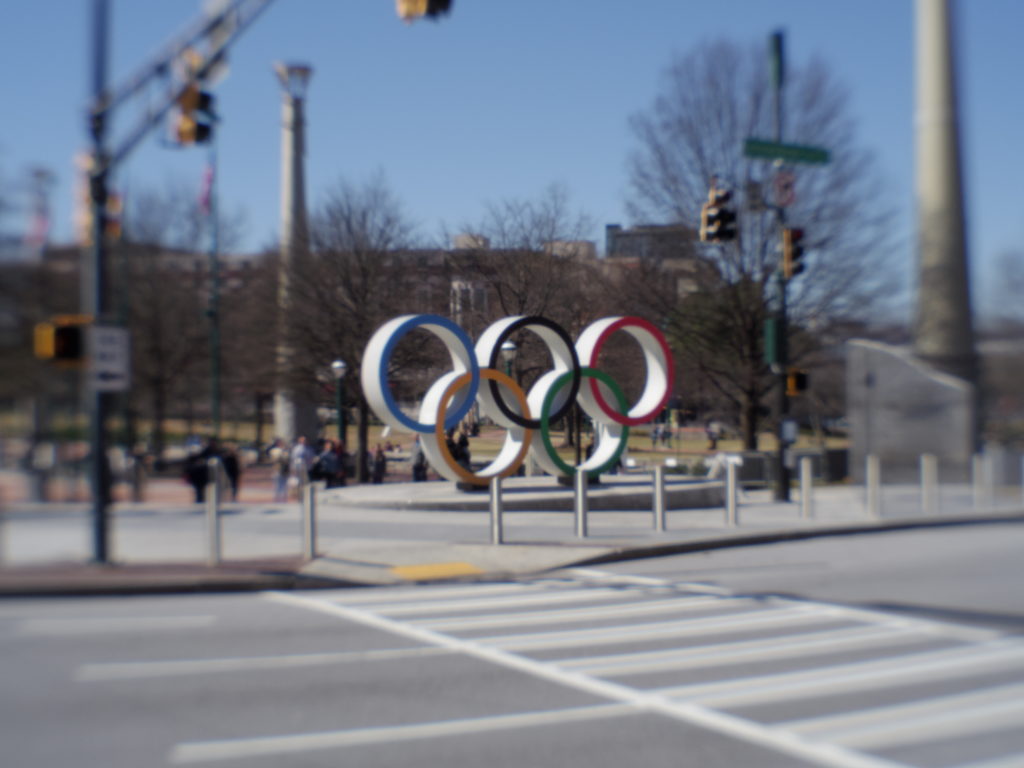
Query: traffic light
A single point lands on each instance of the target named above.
(409, 10)
(63, 339)
(717, 219)
(792, 252)
(796, 382)
(196, 118)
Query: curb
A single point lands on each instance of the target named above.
(93, 580)
(776, 536)
(85, 580)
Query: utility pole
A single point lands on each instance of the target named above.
(95, 287)
(213, 308)
(790, 251)
(228, 23)
(778, 69)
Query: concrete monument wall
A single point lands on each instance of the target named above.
(900, 407)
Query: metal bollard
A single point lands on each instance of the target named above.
(309, 494)
(497, 510)
(731, 517)
(213, 524)
(138, 477)
(806, 487)
(929, 484)
(873, 480)
(581, 503)
(979, 481)
(659, 498)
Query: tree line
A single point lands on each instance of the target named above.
(366, 262)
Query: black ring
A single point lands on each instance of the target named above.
(574, 387)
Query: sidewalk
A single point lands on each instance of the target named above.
(439, 550)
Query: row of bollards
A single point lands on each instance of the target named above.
(982, 481)
(214, 532)
(581, 506)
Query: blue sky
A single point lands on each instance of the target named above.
(501, 99)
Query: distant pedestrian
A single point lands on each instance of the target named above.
(341, 461)
(380, 465)
(419, 462)
(196, 469)
(325, 466)
(232, 468)
(300, 460)
(281, 465)
(711, 430)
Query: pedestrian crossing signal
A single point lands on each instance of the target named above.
(62, 339)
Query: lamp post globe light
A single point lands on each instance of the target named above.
(338, 370)
(508, 354)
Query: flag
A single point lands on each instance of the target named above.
(206, 191)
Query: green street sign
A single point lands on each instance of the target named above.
(790, 153)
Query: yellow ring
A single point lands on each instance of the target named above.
(442, 410)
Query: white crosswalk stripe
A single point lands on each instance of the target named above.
(660, 628)
(570, 615)
(750, 620)
(721, 654)
(905, 669)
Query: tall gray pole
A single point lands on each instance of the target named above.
(943, 330)
(777, 51)
(293, 414)
(213, 305)
(95, 289)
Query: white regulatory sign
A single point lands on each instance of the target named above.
(785, 188)
(109, 359)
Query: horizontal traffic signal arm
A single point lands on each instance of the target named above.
(240, 13)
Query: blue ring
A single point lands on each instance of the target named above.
(454, 416)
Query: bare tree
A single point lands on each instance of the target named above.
(1006, 314)
(711, 100)
(162, 283)
(530, 259)
(356, 274)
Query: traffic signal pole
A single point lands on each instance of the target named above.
(95, 288)
(95, 300)
(782, 479)
(213, 306)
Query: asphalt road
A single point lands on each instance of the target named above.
(877, 650)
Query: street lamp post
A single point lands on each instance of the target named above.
(338, 370)
(508, 354)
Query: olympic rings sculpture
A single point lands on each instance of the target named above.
(475, 378)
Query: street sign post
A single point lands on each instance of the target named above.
(789, 153)
(109, 359)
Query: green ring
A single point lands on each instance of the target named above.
(545, 420)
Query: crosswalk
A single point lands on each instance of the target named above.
(828, 684)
